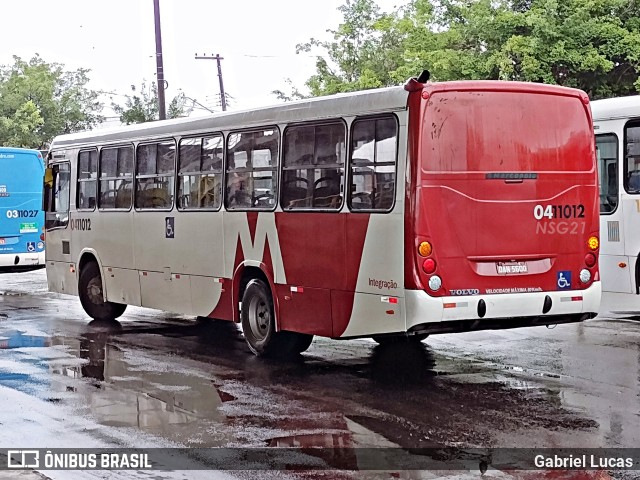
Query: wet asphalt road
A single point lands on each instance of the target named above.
(156, 379)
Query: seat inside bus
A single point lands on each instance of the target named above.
(154, 197)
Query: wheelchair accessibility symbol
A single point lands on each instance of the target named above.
(31, 246)
(564, 280)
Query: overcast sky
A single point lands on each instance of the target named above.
(115, 39)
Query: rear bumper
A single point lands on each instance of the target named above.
(21, 259)
(454, 314)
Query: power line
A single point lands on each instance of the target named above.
(278, 56)
(197, 104)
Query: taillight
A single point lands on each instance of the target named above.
(593, 243)
(425, 249)
(42, 237)
(429, 266)
(590, 259)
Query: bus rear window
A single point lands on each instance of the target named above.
(506, 131)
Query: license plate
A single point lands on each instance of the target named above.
(510, 268)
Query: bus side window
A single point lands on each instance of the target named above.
(154, 175)
(373, 164)
(252, 165)
(87, 179)
(607, 156)
(313, 173)
(632, 156)
(115, 174)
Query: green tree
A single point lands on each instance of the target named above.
(593, 45)
(363, 52)
(142, 105)
(39, 100)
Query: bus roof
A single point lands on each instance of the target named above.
(505, 86)
(619, 107)
(19, 150)
(330, 106)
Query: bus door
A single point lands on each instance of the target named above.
(614, 265)
(57, 189)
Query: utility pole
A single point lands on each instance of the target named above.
(159, 66)
(217, 58)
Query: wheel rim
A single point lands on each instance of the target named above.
(94, 291)
(259, 318)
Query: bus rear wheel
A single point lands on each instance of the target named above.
(259, 326)
(92, 295)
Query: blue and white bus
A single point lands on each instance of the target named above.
(21, 215)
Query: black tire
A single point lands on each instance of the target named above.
(388, 339)
(258, 320)
(293, 343)
(259, 325)
(303, 342)
(92, 296)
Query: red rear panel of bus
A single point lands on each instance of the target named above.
(505, 188)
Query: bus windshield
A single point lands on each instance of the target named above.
(506, 132)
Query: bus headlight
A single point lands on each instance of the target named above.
(585, 275)
(435, 283)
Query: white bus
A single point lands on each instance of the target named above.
(390, 213)
(617, 131)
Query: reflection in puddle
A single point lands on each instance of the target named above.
(407, 362)
(23, 338)
(31, 374)
(116, 385)
(336, 450)
(141, 391)
(93, 344)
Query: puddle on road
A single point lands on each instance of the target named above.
(196, 384)
(124, 388)
(118, 386)
(23, 338)
(115, 386)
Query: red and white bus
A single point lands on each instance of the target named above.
(398, 212)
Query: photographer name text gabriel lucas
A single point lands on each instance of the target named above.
(590, 461)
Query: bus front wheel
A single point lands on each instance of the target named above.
(259, 326)
(92, 295)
